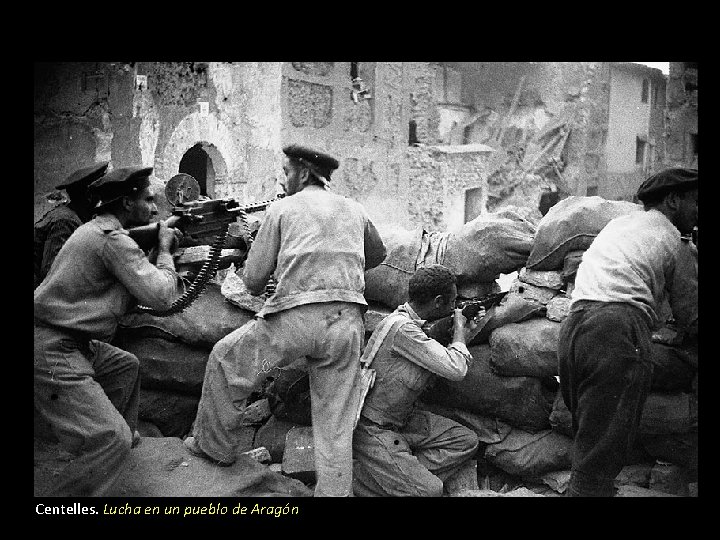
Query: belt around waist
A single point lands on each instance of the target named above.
(76, 335)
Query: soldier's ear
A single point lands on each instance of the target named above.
(672, 200)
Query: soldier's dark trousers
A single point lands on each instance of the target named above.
(89, 394)
(605, 377)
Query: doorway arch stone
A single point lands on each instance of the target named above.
(215, 139)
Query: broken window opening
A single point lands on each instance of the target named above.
(693, 139)
(655, 96)
(645, 90)
(412, 135)
(591, 191)
(639, 151)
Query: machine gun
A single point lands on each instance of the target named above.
(441, 330)
(202, 222)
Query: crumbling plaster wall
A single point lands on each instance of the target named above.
(72, 123)
(369, 138)
(80, 120)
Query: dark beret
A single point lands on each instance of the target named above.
(322, 163)
(668, 181)
(84, 177)
(119, 183)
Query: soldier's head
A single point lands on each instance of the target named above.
(305, 166)
(674, 192)
(432, 291)
(127, 194)
(76, 186)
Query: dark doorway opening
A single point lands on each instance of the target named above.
(197, 163)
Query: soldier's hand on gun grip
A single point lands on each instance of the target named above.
(167, 238)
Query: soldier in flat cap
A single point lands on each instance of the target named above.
(85, 388)
(56, 226)
(317, 246)
(636, 262)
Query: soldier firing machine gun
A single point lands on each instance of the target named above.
(202, 222)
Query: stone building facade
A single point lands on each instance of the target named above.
(682, 115)
(420, 143)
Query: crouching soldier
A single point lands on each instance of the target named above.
(400, 450)
(85, 388)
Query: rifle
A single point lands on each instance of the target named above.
(202, 222)
(441, 329)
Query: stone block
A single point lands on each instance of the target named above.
(256, 412)
(466, 477)
(260, 454)
(272, 435)
(558, 308)
(634, 475)
(299, 457)
(477, 290)
(541, 295)
(551, 279)
(557, 480)
(669, 478)
(637, 491)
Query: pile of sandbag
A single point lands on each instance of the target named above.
(514, 378)
(478, 252)
(173, 352)
(510, 396)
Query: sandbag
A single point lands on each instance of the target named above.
(488, 246)
(571, 225)
(531, 454)
(663, 414)
(571, 263)
(673, 367)
(523, 402)
(272, 436)
(234, 291)
(525, 349)
(513, 308)
(162, 468)
(209, 319)
(387, 283)
(667, 413)
(167, 365)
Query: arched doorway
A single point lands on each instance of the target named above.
(197, 162)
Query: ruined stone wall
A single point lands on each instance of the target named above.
(439, 178)
(369, 138)
(682, 115)
(150, 114)
(515, 101)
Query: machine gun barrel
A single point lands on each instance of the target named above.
(199, 221)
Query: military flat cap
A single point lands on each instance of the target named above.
(320, 163)
(119, 183)
(667, 181)
(84, 177)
